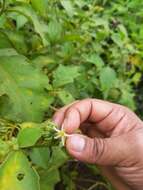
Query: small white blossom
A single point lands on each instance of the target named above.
(61, 134)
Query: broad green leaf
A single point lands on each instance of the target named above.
(28, 137)
(68, 7)
(64, 75)
(16, 173)
(24, 85)
(40, 156)
(20, 21)
(58, 158)
(4, 149)
(107, 79)
(4, 41)
(48, 180)
(99, 21)
(44, 130)
(43, 62)
(96, 60)
(54, 30)
(40, 6)
(29, 13)
(17, 40)
(8, 52)
(50, 177)
(116, 37)
(2, 21)
(65, 97)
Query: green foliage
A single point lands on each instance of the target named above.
(107, 79)
(64, 75)
(24, 85)
(28, 137)
(53, 52)
(17, 173)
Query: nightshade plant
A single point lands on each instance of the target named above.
(53, 52)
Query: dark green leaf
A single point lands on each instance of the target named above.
(28, 137)
(65, 74)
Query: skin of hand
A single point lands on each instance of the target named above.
(112, 137)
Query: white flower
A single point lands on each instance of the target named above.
(61, 134)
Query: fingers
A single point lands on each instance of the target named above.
(90, 130)
(106, 151)
(106, 115)
(71, 117)
(60, 114)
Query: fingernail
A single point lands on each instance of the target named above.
(77, 143)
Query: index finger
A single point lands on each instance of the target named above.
(93, 110)
(107, 116)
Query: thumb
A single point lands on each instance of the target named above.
(102, 151)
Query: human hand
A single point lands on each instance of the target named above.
(113, 136)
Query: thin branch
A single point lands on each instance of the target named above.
(96, 185)
(53, 108)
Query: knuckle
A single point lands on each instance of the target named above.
(124, 108)
(70, 110)
(126, 114)
(97, 150)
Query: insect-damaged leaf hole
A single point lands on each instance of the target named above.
(20, 176)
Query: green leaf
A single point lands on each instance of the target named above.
(17, 40)
(48, 180)
(40, 6)
(4, 149)
(43, 62)
(107, 79)
(96, 60)
(24, 85)
(58, 158)
(29, 13)
(65, 97)
(50, 177)
(65, 74)
(136, 78)
(4, 41)
(40, 156)
(68, 7)
(17, 173)
(127, 99)
(19, 19)
(117, 39)
(8, 52)
(123, 31)
(54, 30)
(28, 137)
